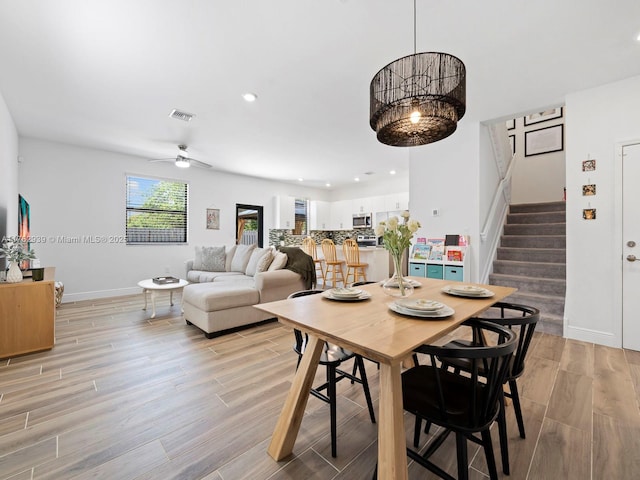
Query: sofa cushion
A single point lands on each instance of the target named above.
(265, 261)
(201, 276)
(210, 297)
(241, 257)
(256, 255)
(278, 262)
(230, 252)
(209, 259)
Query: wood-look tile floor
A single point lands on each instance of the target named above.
(125, 397)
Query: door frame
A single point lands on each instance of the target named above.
(260, 210)
(618, 253)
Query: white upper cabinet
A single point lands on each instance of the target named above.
(363, 205)
(284, 209)
(397, 201)
(341, 215)
(320, 213)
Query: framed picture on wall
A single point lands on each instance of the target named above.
(512, 142)
(213, 218)
(544, 140)
(588, 165)
(511, 124)
(538, 117)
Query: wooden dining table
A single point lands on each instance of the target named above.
(372, 330)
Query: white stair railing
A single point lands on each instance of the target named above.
(492, 227)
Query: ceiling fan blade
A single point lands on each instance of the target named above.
(155, 160)
(198, 163)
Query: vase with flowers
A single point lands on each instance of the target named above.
(396, 236)
(16, 250)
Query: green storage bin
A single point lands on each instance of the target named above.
(434, 271)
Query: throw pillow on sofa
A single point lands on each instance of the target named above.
(279, 261)
(256, 256)
(241, 257)
(209, 259)
(230, 252)
(265, 261)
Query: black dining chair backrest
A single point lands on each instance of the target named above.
(466, 404)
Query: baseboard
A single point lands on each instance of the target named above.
(118, 292)
(592, 336)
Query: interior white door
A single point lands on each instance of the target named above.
(631, 247)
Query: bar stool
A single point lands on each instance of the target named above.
(309, 247)
(333, 273)
(355, 269)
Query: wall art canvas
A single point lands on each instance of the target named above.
(213, 218)
(588, 165)
(589, 189)
(544, 140)
(589, 213)
(543, 116)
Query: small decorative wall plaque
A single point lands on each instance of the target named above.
(589, 213)
(588, 165)
(589, 189)
(213, 218)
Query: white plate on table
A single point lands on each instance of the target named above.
(419, 305)
(346, 292)
(363, 295)
(470, 291)
(443, 312)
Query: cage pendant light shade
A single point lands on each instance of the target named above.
(418, 99)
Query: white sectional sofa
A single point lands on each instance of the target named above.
(227, 281)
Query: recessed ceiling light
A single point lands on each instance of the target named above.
(392, 172)
(638, 37)
(249, 97)
(328, 184)
(356, 179)
(301, 179)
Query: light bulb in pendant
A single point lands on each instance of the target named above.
(415, 116)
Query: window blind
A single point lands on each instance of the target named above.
(156, 211)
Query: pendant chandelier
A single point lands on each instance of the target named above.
(418, 99)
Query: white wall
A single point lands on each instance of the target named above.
(597, 120)
(385, 184)
(538, 178)
(8, 174)
(76, 192)
(444, 175)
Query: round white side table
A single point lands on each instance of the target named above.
(148, 285)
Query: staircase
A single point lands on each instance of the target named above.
(531, 257)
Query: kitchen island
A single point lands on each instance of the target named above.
(377, 259)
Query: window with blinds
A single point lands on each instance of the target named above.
(156, 211)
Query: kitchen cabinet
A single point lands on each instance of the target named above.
(396, 201)
(362, 205)
(341, 215)
(320, 213)
(284, 208)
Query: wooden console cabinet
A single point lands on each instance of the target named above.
(27, 317)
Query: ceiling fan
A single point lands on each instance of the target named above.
(183, 160)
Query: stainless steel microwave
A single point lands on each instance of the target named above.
(361, 220)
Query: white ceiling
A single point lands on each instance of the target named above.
(107, 73)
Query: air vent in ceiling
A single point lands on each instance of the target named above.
(184, 116)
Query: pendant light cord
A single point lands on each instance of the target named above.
(414, 28)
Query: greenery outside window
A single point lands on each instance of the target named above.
(156, 211)
(301, 224)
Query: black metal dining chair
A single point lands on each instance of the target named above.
(466, 405)
(332, 357)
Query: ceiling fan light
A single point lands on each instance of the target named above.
(182, 162)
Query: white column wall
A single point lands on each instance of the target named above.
(597, 121)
